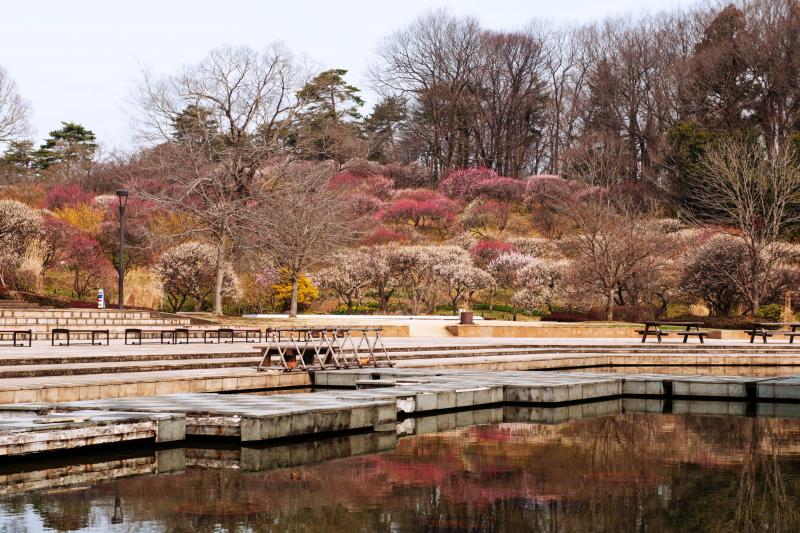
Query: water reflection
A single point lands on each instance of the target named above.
(522, 470)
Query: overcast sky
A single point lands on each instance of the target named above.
(78, 61)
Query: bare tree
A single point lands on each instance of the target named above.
(215, 125)
(14, 110)
(753, 195)
(610, 245)
(302, 222)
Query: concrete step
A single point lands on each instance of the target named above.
(100, 358)
(608, 348)
(75, 369)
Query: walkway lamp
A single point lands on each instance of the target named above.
(122, 195)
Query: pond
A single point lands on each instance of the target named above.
(621, 472)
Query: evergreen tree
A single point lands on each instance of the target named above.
(327, 125)
(382, 126)
(17, 162)
(72, 145)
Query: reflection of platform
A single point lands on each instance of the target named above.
(30, 476)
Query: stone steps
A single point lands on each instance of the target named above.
(606, 348)
(77, 369)
(101, 358)
(485, 352)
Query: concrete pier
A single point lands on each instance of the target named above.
(534, 396)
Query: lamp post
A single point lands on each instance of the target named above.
(122, 195)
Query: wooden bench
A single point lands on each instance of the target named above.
(68, 333)
(699, 334)
(791, 335)
(16, 334)
(658, 332)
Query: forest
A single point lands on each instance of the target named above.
(626, 169)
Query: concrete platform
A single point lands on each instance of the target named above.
(257, 418)
(70, 429)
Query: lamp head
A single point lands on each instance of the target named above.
(122, 194)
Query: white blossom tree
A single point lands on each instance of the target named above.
(461, 280)
(189, 271)
(544, 284)
(20, 226)
(346, 278)
(383, 273)
(506, 270)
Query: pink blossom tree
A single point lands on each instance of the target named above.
(464, 184)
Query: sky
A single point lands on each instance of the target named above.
(79, 61)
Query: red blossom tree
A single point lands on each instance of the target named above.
(487, 250)
(423, 208)
(84, 258)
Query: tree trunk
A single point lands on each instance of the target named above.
(293, 304)
(610, 305)
(383, 302)
(220, 275)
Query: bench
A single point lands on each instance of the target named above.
(166, 336)
(699, 334)
(791, 335)
(231, 334)
(658, 332)
(16, 334)
(68, 333)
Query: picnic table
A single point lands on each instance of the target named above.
(690, 329)
(768, 329)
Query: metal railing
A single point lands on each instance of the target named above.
(324, 348)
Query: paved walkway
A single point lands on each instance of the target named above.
(82, 372)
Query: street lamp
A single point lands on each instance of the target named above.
(122, 195)
(117, 518)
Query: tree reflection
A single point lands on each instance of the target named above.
(625, 472)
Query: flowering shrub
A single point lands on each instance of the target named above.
(487, 250)
(464, 184)
(507, 271)
(378, 186)
(83, 257)
(481, 214)
(83, 216)
(20, 226)
(534, 246)
(502, 189)
(60, 196)
(423, 208)
(384, 235)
